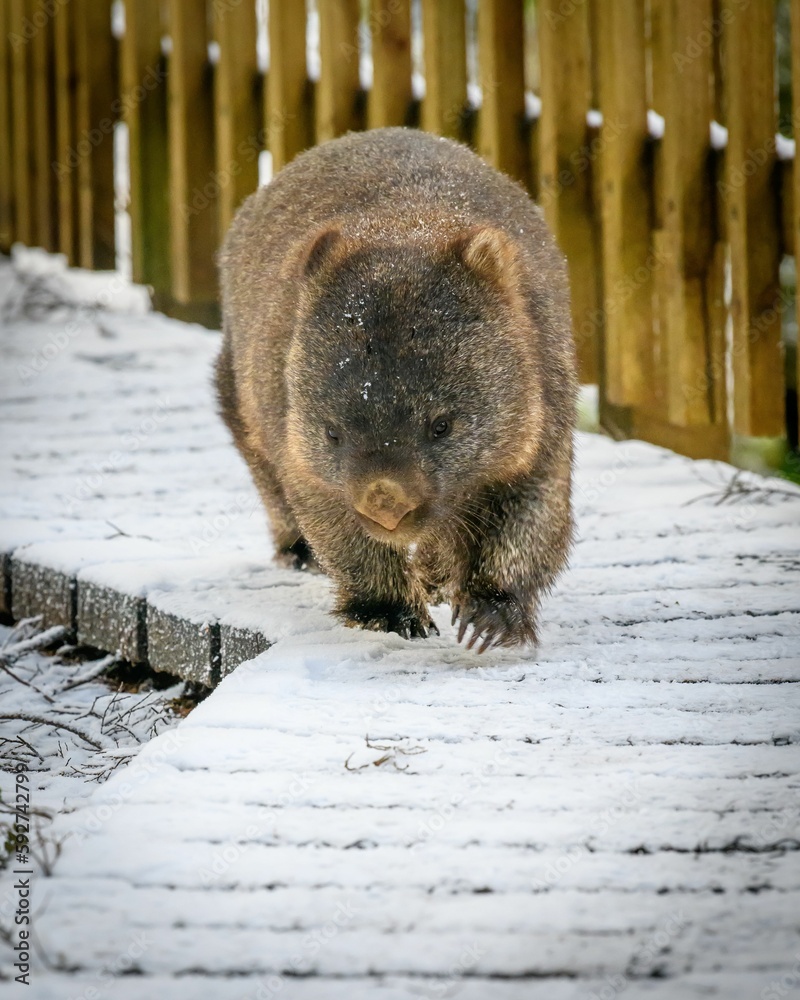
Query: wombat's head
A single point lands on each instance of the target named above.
(412, 377)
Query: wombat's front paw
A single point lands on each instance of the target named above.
(497, 617)
(298, 556)
(385, 616)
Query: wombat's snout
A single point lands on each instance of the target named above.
(386, 502)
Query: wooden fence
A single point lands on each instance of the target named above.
(674, 232)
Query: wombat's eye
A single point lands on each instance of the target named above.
(440, 427)
(333, 434)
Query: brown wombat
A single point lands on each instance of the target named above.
(398, 372)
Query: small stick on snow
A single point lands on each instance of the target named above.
(40, 720)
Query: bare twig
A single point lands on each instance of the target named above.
(40, 720)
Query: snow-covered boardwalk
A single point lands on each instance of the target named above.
(351, 815)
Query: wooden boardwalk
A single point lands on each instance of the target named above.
(351, 815)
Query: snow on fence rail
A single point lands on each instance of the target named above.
(558, 94)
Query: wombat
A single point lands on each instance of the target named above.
(398, 372)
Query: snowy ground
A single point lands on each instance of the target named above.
(353, 816)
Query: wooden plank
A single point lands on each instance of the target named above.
(686, 202)
(501, 131)
(287, 106)
(20, 122)
(6, 166)
(567, 158)
(238, 142)
(193, 190)
(65, 160)
(445, 43)
(390, 96)
(338, 88)
(626, 378)
(144, 107)
(796, 192)
(43, 123)
(95, 118)
(752, 218)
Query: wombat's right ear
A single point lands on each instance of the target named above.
(489, 253)
(325, 247)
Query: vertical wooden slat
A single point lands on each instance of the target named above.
(287, 106)
(626, 203)
(337, 91)
(752, 218)
(444, 36)
(687, 210)
(43, 123)
(390, 95)
(193, 189)
(65, 156)
(144, 106)
(237, 119)
(6, 183)
(501, 133)
(96, 91)
(567, 160)
(20, 122)
(796, 165)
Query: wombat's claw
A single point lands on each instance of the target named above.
(376, 616)
(497, 619)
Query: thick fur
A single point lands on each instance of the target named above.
(384, 287)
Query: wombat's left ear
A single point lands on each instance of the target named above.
(489, 253)
(326, 246)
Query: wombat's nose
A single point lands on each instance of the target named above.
(386, 502)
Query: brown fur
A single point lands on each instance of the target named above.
(398, 372)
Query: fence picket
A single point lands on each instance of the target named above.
(501, 54)
(567, 160)
(193, 189)
(97, 89)
(144, 93)
(626, 204)
(390, 95)
(6, 154)
(752, 220)
(338, 87)
(43, 123)
(444, 37)
(20, 122)
(239, 137)
(288, 104)
(66, 95)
